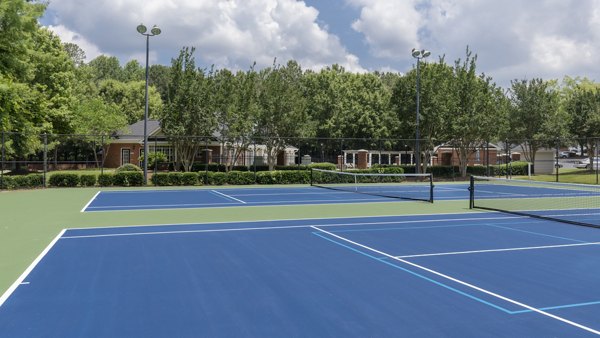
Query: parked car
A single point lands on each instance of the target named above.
(564, 154)
(585, 163)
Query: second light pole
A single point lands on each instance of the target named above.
(418, 54)
(154, 31)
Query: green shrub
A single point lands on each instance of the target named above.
(266, 177)
(175, 178)
(240, 177)
(26, 181)
(128, 179)
(127, 168)
(106, 180)
(161, 179)
(88, 180)
(189, 178)
(324, 165)
(7, 182)
(292, 176)
(155, 159)
(64, 180)
(216, 178)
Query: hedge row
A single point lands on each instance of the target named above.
(447, 171)
(235, 177)
(22, 182)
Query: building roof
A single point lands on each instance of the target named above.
(135, 132)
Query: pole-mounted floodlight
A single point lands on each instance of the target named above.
(154, 31)
(418, 54)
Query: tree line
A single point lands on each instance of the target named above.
(47, 87)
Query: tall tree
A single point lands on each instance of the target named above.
(75, 52)
(106, 68)
(189, 112)
(281, 110)
(477, 113)
(535, 117)
(583, 109)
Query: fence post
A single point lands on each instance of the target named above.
(556, 161)
(206, 159)
(596, 158)
(507, 157)
(102, 154)
(342, 155)
(45, 157)
(2, 164)
(487, 158)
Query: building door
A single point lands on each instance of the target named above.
(125, 156)
(446, 158)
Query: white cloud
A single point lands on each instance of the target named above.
(390, 27)
(66, 35)
(227, 33)
(513, 38)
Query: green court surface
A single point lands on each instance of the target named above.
(29, 220)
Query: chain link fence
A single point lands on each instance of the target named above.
(43, 155)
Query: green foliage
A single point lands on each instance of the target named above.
(7, 182)
(216, 178)
(22, 182)
(106, 180)
(128, 178)
(155, 159)
(535, 117)
(324, 166)
(175, 178)
(88, 180)
(161, 179)
(190, 109)
(240, 177)
(189, 178)
(128, 167)
(63, 180)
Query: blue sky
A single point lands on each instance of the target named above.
(513, 39)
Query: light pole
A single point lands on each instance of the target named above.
(154, 31)
(418, 54)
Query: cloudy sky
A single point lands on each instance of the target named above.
(514, 39)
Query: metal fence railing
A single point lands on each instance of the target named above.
(47, 153)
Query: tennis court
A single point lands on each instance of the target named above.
(232, 197)
(446, 275)
(421, 274)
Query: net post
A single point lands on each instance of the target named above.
(430, 187)
(2, 163)
(45, 159)
(472, 192)
(311, 176)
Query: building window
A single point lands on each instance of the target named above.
(125, 156)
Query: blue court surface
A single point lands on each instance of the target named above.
(453, 275)
(235, 197)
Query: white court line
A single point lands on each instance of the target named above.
(146, 233)
(329, 218)
(499, 250)
(462, 283)
(227, 196)
(24, 275)
(90, 202)
(268, 203)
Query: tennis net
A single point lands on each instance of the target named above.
(418, 187)
(565, 202)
